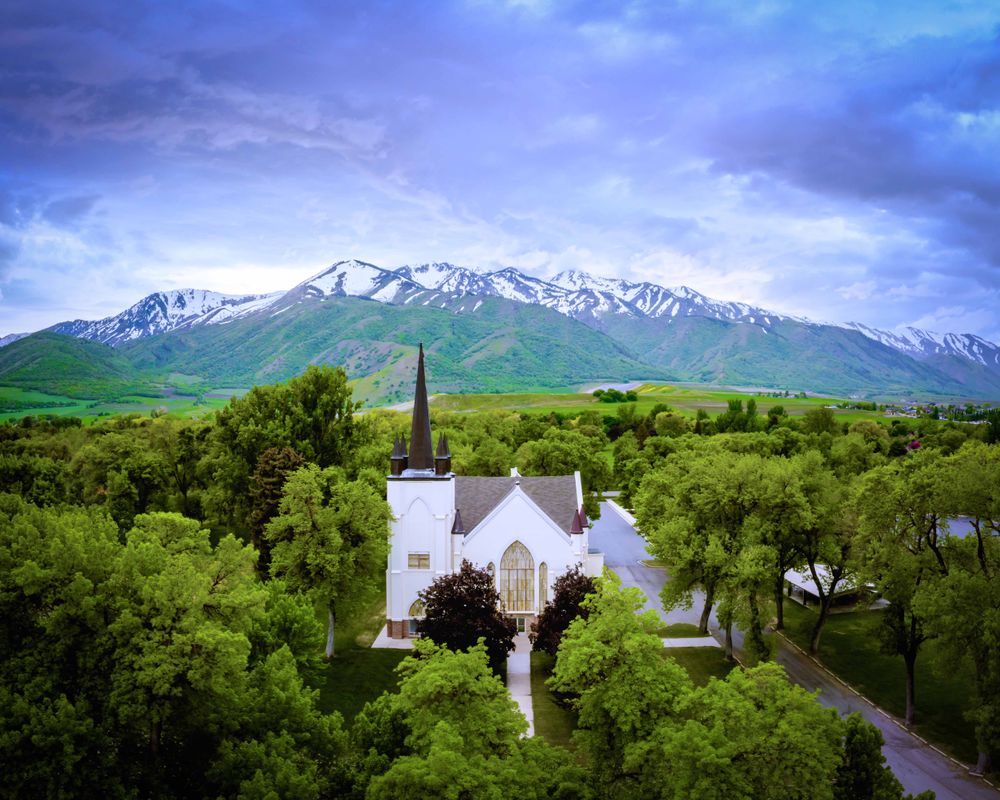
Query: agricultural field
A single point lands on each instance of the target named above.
(16, 403)
(687, 399)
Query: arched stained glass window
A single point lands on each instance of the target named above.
(543, 585)
(517, 579)
(416, 612)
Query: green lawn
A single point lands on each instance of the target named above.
(679, 630)
(701, 663)
(357, 673)
(553, 722)
(849, 648)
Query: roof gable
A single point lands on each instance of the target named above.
(555, 496)
(514, 502)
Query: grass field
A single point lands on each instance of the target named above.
(357, 673)
(679, 630)
(701, 663)
(16, 403)
(685, 399)
(849, 648)
(553, 722)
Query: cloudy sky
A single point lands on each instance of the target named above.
(840, 163)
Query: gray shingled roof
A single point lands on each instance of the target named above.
(477, 497)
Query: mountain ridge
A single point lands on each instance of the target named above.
(504, 318)
(573, 293)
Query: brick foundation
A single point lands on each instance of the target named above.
(397, 628)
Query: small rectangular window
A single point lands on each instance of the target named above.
(419, 561)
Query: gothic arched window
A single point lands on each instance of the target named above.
(543, 585)
(517, 579)
(416, 612)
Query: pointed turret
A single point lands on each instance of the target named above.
(584, 522)
(421, 454)
(397, 461)
(576, 527)
(458, 527)
(442, 458)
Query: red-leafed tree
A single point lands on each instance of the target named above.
(463, 607)
(568, 592)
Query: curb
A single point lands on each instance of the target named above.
(902, 726)
(621, 512)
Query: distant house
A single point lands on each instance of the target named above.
(800, 586)
(526, 531)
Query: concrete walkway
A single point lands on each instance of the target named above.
(383, 642)
(692, 641)
(519, 678)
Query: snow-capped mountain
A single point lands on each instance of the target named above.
(10, 338)
(449, 278)
(924, 344)
(166, 311)
(650, 300)
(573, 293)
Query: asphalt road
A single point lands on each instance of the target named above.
(917, 765)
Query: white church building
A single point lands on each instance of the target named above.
(527, 531)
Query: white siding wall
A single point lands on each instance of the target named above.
(424, 511)
(517, 518)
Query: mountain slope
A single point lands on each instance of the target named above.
(517, 331)
(60, 364)
(788, 355)
(166, 311)
(926, 344)
(575, 294)
(502, 346)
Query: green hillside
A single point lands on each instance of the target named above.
(791, 355)
(64, 365)
(503, 346)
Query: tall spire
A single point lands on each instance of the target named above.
(421, 451)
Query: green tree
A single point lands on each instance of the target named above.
(961, 606)
(714, 519)
(330, 539)
(753, 736)
(898, 548)
(862, 774)
(266, 490)
(490, 458)
(312, 413)
(140, 669)
(606, 661)
(462, 736)
(676, 514)
(562, 452)
(819, 420)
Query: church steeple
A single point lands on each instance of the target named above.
(421, 450)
